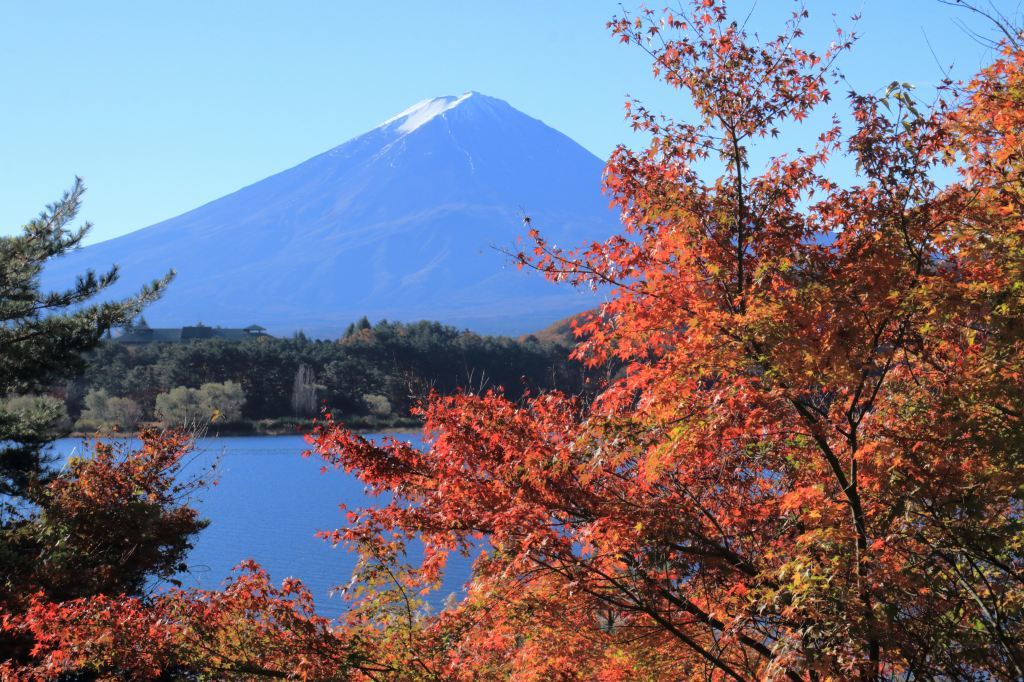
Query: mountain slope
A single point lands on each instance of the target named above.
(398, 223)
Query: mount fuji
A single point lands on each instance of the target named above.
(400, 223)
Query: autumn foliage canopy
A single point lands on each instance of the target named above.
(808, 468)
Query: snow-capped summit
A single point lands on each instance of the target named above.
(399, 223)
(421, 112)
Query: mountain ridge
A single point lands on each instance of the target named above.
(396, 223)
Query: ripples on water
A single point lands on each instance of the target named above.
(267, 505)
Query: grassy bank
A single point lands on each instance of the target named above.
(290, 426)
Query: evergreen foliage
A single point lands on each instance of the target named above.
(104, 524)
(395, 363)
(43, 334)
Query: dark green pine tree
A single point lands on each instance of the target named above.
(49, 542)
(43, 335)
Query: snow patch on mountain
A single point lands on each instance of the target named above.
(423, 112)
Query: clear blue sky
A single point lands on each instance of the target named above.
(164, 106)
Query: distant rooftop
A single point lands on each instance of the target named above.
(142, 333)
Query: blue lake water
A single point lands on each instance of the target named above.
(267, 505)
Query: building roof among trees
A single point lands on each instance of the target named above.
(143, 333)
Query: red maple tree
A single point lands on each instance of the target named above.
(810, 465)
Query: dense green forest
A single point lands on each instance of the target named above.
(370, 377)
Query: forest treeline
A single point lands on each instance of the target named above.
(370, 377)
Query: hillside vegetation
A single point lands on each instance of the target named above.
(370, 377)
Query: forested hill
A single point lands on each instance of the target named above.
(370, 377)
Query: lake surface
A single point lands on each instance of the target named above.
(267, 505)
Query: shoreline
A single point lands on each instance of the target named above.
(404, 429)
